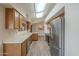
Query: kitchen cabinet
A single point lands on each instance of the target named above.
(24, 48)
(34, 36)
(15, 49)
(20, 22)
(29, 41)
(28, 25)
(13, 19)
(12, 49)
(9, 18)
(19, 47)
(16, 20)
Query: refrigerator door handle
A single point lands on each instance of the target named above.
(56, 47)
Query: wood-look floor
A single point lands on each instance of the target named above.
(39, 48)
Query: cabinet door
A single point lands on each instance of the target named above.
(34, 37)
(20, 23)
(29, 41)
(12, 49)
(24, 48)
(9, 18)
(17, 20)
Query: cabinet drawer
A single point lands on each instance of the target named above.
(12, 49)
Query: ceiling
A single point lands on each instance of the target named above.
(28, 8)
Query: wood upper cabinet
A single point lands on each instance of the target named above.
(20, 22)
(28, 25)
(9, 18)
(16, 20)
(13, 19)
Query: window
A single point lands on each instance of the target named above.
(39, 9)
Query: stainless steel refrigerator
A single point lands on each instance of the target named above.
(56, 39)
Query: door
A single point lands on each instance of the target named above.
(57, 39)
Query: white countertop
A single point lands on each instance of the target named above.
(19, 38)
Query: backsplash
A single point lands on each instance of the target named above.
(5, 34)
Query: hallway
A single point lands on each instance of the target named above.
(39, 48)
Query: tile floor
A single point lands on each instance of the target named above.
(39, 48)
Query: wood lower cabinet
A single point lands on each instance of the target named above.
(34, 36)
(24, 48)
(17, 49)
(29, 41)
(13, 49)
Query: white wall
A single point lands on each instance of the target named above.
(72, 29)
(1, 28)
(18, 8)
(35, 26)
(53, 13)
(45, 28)
(55, 10)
